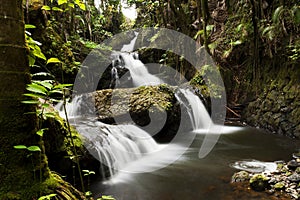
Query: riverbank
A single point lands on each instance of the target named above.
(282, 183)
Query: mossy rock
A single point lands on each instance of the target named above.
(240, 177)
(60, 150)
(139, 106)
(259, 182)
(279, 186)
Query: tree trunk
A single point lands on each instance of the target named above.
(256, 58)
(205, 15)
(16, 170)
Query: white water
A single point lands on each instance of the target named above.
(200, 118)
(255, 166)
(198, 114)
(130, 47)
(113, 145)
(139, 72)
(116, 145)
(127, 147)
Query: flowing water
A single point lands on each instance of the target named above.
(193, 178)
(139, 168)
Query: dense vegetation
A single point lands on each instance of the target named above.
(255, 43)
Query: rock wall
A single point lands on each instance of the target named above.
(277, 110)
(277, 107)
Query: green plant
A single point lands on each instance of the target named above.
(43, 93)
(104, 197)
(30, 149)
(65, 5)
(33, 46)
(88, 173)
(47, 197)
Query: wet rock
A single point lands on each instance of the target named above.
(294, 178)
(240, 177)
(279, 186)
(293, 164)
(259, 182)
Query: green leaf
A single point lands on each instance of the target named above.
(57, 9)
(33, 148)
(46, 8)
(49, 115)
(238, 42)
(267, 29)
(60, 2)
(36, 51)
(71, 5)
(86, 171)
(31, 59)
(45, 105)
(88, 193)
(47, 197)
(36, 88)
(41, 132)
(30, 102)
(56, 91)
(46, 84)
(53, 60)
(199, 33)
(20, 147)
(107, 197)
(209, 27)
(80, 4)
(60, 86)
(34, 95)
(277, 14)
(28, 26)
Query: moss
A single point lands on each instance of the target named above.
(54, 184)
(145, 97)
(279, 186)
(259, 182)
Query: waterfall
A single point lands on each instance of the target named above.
(128, 59)
(130, 47)
(113, 145)
(198, 114)
(116, 146)
(138, 71)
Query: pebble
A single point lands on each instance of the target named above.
(294, 177)
(285, 179)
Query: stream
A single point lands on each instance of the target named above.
(193, 178)
(197, 164)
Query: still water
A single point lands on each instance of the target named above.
(190, 177)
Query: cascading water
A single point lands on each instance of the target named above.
(113, 145)
(118, 145)
(197, 112)
(138, 71)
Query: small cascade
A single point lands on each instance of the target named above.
(116, 145)
(138, 71)
(130, 47)
(197, 112)
(113, 145)
(115, 80)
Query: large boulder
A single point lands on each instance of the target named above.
(150, 107)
